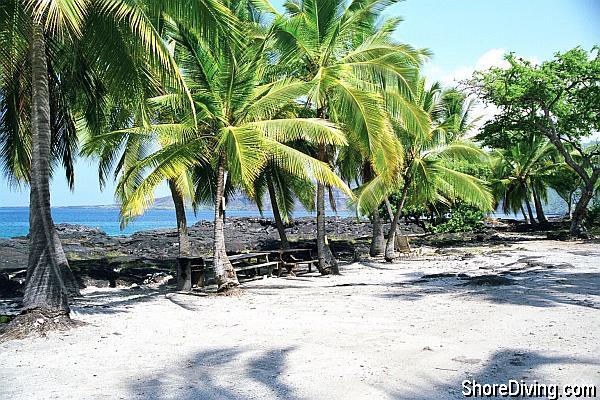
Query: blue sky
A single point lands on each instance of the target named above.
(462, 34)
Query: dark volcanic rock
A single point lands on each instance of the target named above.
(9, 287)
(79, 231)
(559, 235)
(101, 260)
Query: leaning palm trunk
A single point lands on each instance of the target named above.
(378, 240)
(524, 215)
(327, 262)
(539, 209)
(529, 210)
(46, 297)
(224, 273)
(184, 272)
(390, 254)
(388, 207)
(277, 215)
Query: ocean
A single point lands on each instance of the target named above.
(14, 221)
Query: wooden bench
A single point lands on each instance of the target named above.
(196, 267)
(250, 264)
(292, 258)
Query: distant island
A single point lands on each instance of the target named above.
(240, 202)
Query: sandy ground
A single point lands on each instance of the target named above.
(379, 331)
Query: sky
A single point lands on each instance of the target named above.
(463, 35)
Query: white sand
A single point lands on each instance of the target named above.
(372, 333)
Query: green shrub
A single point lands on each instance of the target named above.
(592, 218)
(463, 218)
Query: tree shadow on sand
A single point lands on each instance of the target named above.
(539, 287)
(114, 301)
(504, 365)
(227, 374)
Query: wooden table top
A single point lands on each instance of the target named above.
(244, 256)
(290, 251)
(235, 257)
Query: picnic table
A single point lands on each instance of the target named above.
(292, 258)
(249, 263)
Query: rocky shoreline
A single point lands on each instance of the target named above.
(149, 257)
(101, 260)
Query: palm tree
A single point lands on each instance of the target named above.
(355, 167)
(283, 190)
(523, 173)
(119, 150)
(426, 176)
(78, 51)
(236, 134)
(355, 70)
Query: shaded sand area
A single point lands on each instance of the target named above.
(410, 330)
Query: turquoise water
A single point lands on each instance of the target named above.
(14, 221)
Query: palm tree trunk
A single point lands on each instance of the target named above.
(50, 281)
(46, 295)
(388, 207)
(378, 240)
(184, 273)
(327, 262)
(529, 211)
(524, 215)
(225, 275)
(277, 215)
(539, 209)
(390, 254)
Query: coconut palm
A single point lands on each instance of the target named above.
(355, 70)
(59, 60)
(119, 151)
(283, 190)
(456, 114)
(235, 133)
(523, 172)
(426, 175)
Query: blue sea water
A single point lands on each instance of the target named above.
(14, 221)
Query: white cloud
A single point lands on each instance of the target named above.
(452, 78)
(489, 59)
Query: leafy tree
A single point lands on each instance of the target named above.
(566, 183)
(593, 215)
(463, 218)
(559, 99)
